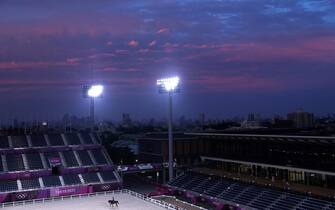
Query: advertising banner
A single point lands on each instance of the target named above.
(145, 166)
(106, 168)
(54, 161)
(26, 195)
(4, 197)
(64, 191)
(106, 187)
(74, 170)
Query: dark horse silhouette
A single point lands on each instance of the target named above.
(113, 202)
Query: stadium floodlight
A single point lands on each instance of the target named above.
(92, 92)
(169, 85)
(95, 91)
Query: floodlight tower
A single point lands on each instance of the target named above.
(170, 86)
(92, 92)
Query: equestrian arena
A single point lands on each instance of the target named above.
(127, 201)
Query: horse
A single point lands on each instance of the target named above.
(113, 202)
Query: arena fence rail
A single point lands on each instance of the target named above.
(162, 204)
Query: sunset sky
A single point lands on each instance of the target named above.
(233, 56)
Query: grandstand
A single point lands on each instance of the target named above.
(247, 195)
(251, 171)
(49, 165)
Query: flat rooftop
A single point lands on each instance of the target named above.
(261, 137)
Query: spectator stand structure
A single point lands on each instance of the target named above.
(42, 166)
(220, 191)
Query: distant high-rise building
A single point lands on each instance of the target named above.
(254, 117)
(202, 120)
(126, 120)
(301, 119)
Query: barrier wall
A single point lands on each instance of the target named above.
(58, 191)
(48, 149)
(48, 172)
(140, 167)
(196, 198)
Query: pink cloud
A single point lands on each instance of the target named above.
(33, 64)
(169, 47)
(39, 83)
(152, 43)
(144, 50)
(109, 43)
(133, 43)
(229, 83)
(117, 69)
(121, 51)
(315, 49)
(73, 60)
(163, 30)
(101, 55)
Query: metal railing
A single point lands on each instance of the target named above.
(160, 203)
(178, 200)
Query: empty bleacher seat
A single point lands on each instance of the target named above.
(72, 139)
(87, 138)
(256, 197)
(70, 159)
(71, 179)
(84, 157)
(108, 176)
(34, 161)
(178, 182)
(96, 137)
(91, 178)
(264, 199)
(30, 183)
(19, 141)
(51, 181)
(55, 139)
(38, 140)
(4, 142)
(8, 185)
(15, 162)
(99, 156)
(1, 167)
(218, 188)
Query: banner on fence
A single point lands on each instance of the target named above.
(64, 191)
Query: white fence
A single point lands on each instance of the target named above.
(70, 197)
(174, 197)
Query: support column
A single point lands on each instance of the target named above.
(92, 113)
(29, 141)
(46, 137)
(44, 161)
(81, 179)
(77, 157)
(170, 139)
(25, 161)
(61, 180)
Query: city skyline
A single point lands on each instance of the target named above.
(233, 57)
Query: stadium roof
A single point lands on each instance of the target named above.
(280, 138)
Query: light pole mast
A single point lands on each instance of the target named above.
(92, 92)
(170, 86)
(92, 113)
(170, 139)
